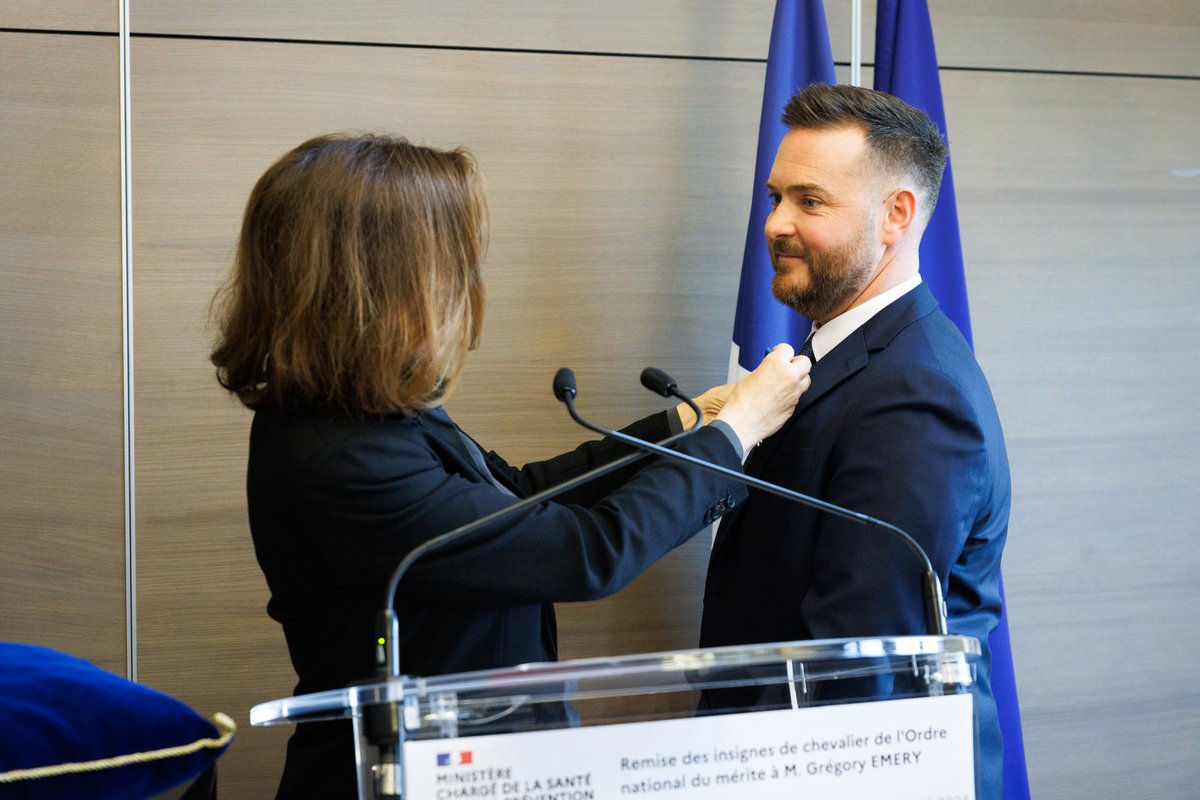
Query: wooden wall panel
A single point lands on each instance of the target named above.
(737, 28)
(62, 568)
(618, 195)
(1155, 37)
(1078, 198)
(60, 15)
(1158, 37)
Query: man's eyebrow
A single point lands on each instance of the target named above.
(797, 187)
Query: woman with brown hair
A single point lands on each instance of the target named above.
(355, 295)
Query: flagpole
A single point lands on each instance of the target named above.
(856, 43)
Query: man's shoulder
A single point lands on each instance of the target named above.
(923, 338)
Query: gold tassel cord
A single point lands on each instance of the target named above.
(226, 726)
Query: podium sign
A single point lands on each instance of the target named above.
(838, 718)
(916, 748)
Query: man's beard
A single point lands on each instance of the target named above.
(834, 276)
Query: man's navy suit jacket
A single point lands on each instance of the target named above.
(899, 423)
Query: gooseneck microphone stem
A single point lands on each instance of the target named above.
(935, 614)
(387, 656)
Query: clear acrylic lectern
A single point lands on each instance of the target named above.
(835, 718)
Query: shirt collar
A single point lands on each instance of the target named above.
(831, 334)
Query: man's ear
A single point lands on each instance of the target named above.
(899, 215)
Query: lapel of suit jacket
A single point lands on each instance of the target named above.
(438, 424)
(840, 363)
(849, 357)
(836, 366)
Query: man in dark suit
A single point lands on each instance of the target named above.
(899, 422)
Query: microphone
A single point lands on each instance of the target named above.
(382, 721)
(658, 381)
(661, 383)
(387, 651)
(653, 379)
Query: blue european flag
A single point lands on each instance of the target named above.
(906, 66)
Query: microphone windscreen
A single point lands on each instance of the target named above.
(658, 381)
(564, 383)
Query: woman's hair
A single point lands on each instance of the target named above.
(357, 283)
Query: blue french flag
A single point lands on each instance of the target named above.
(799, 54)
(906, 66)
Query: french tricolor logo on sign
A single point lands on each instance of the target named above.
(454, 759)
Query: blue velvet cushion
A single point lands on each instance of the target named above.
(114, 738)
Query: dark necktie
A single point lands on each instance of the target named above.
(807, 350)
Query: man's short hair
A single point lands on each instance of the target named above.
(902, 140)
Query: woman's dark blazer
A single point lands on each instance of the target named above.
(337, 501)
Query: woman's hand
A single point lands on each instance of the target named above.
(711, 403)
(761, 402)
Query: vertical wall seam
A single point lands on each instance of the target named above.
(856, 35)
(127, 351)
